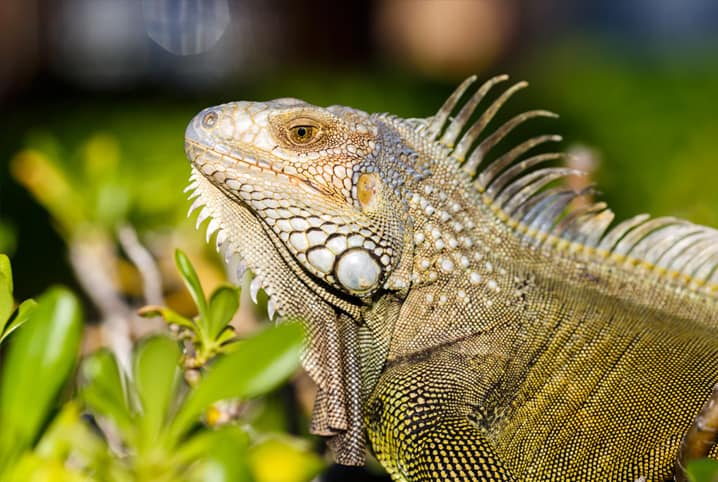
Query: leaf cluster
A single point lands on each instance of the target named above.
(143, 422)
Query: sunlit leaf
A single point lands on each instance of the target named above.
(33, 468)
(223, 454)
(101, 156)
(155, 372)
(228, 335)
(6, 299)
(259, 365)
(705, 470)
(69, 433)
(103, 390)
(191, 280)
(282, 459)
(111, 203)
(226, 458)
(167, 314)
(8, 238)
(39, 360)
(222, 306)
(23, 314)
(51, 187)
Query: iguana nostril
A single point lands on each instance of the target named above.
(205, 119)
(209, 119)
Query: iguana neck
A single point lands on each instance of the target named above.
(462, 280)
(474, 270)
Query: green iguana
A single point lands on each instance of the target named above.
(460, 313)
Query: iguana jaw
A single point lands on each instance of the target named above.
(246, 240)
(223, 215)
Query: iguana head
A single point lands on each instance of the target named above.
(304, 198)
(312, 178)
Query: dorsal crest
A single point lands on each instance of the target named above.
(522, 191)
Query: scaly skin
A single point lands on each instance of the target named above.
(455, 311)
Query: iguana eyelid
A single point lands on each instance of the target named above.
(304, 122)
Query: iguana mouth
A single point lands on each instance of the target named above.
(202, 170)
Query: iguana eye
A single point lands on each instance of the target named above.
(303, 134)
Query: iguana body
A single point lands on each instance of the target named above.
(457, 311)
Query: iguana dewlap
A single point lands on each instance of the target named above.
(460, 313)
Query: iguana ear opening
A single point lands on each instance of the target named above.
(378, 201)
(368, 191)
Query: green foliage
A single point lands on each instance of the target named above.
(155, 413)
(6, 299)
(93, 185)
(38, 363)
(705, 470)
(9, 324)
(283, 459)
(209, 332)
(150, 417)
(272, 356)
(92, 195)
(8, 241)
(647, 118)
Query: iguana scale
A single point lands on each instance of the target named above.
(461, 314)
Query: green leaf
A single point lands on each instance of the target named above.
(38, 363)
(6, 299)
(226, 457)
(222, 452)
(260, 364)
(191, 280)
(6, 302)
(227, 338)
(68, 433)
(23, 314)
(167, 314)
(222, 306)
(32, 467)
(156, 375)
(103, 391)
(704, 470)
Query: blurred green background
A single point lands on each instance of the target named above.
(95, 96)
